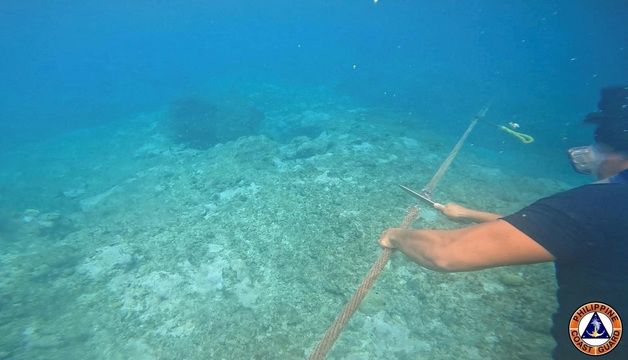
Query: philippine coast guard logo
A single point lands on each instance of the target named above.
(595, 328)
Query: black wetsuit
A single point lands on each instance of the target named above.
(586, 230)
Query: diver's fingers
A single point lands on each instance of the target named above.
(439, 206)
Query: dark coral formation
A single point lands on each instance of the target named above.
(200, 124)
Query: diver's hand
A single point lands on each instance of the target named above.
(390, 238)
(453, 210)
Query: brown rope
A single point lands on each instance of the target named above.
(336, 327)
(429, 188)
(450, 158)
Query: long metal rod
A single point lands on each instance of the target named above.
(418, 195)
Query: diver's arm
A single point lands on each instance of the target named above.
(456, 211)
(490, 244)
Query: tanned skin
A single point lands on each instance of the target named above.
(491, 243)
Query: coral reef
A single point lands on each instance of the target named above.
(250, 248)
(200, 124)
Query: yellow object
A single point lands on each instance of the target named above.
(524, 138)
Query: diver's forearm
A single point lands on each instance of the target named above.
(481, 216)
(421, 246)
(456, 211)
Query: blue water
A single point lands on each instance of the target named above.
(103, 207)
(67, 65)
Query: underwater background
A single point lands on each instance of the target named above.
(205, 179)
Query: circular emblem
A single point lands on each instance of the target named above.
(595, 328)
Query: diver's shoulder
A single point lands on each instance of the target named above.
(598, 189)
(602, 189)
